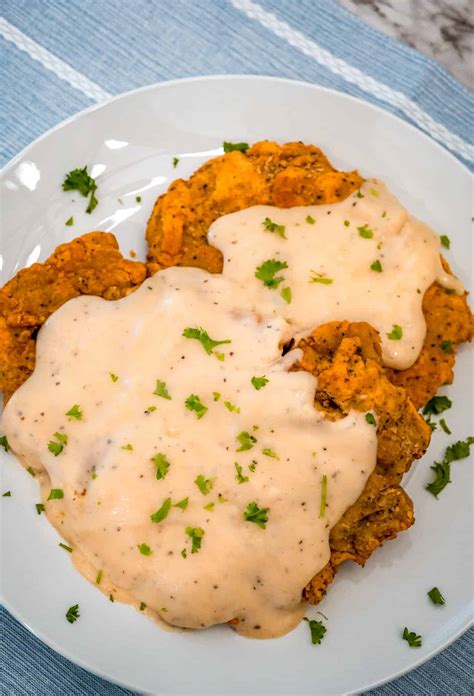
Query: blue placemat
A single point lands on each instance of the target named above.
(60, 56)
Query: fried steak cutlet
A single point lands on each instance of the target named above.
(89, 265)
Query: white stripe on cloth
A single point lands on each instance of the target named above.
(52, 62)
(355, 76)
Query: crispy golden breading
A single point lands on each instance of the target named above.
(89, 265)
(266, 174)
(346, 359)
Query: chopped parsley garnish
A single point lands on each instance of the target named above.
(162, 512)
(239, 476)
(182, 504)
(271, 226)
(436, 597)
(161, 390)
(113, 377)
(231, 407)
(205, 485)
(376, 266)
(65, 547)
(346, 223)
(444, 426)
(128, 447)
(310, 220)
(75, 412)
(138, 199)
(459, 450)
(246, 440)
(39, 508)
(196, 534)
(57, 447)
(175, 162)
(365, 232)
(69, 222)
(31, 471)
(216, 396)
(384, 214)
(4, 443)
(319, 278)
(252, 465)
(259, 382)
(445, 241)
(267, 270)
(79, 180)
(111, 598)
(209, 507)
(7, 494)
(193, 403)
(162, 465)
(447, 346)
(285, 293)
(374, 192)
(437, 405)
(324, 492)
(55, 494)
(142, 606)
(72, 613)
(396, 333)
(240, 147)
(184, 553)
(411, 638)
(144, 549)
(318, 630)
(256, 515)
(98, 578)
(206, 341)
(360, 195)
(270, 453)
(370, 418)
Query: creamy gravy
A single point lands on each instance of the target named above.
(109, 479)
(364, 259)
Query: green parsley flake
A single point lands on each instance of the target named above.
(57, 447)
(346, 223)
(111, 598)
(69, 222)
(369, 417)
(150, 409)
(209, 507)
(239, 476)
(231, 407)
(161, 390)
(196, 534)
(163, 511)
(324, 492)
(98, 579)
(270, 453)
(205, 485)
(437, 405)
(256, 515)
(31, 471)
(436, 597)
(396, 333)
(267, 270)
(39, 508)
(162, 465)
(206, 341)
(113, 377)
(459, 450)
(231, 147)
(7, 494)
(182, 504)
(376, 266)
(79, 180)
(384, 214)
(360, 195)
(445, 241)
(412, 639)
(374, 192)
(128, 447)
(142, 606)
(319, 278)
(65, 547)
(310, 220)
(75, 412)
(56, 494)
(175, 162)
(72, 613)
(318, 630)
(216, 396)
(144, 549)
(246, 440)
(447, 346)
(285, 293)
(259, 382)
(365, 232)
(4, 443)
(444, 426)
(193, 403)
(138, 199)
(271, 226)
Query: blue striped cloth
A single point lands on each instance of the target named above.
(60, 56)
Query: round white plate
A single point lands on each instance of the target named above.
(129, 144)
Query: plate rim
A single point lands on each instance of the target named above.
(163, 85)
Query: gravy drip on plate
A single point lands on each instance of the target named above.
(188, 488)
(364, 259)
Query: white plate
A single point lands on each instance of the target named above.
(129, 143)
